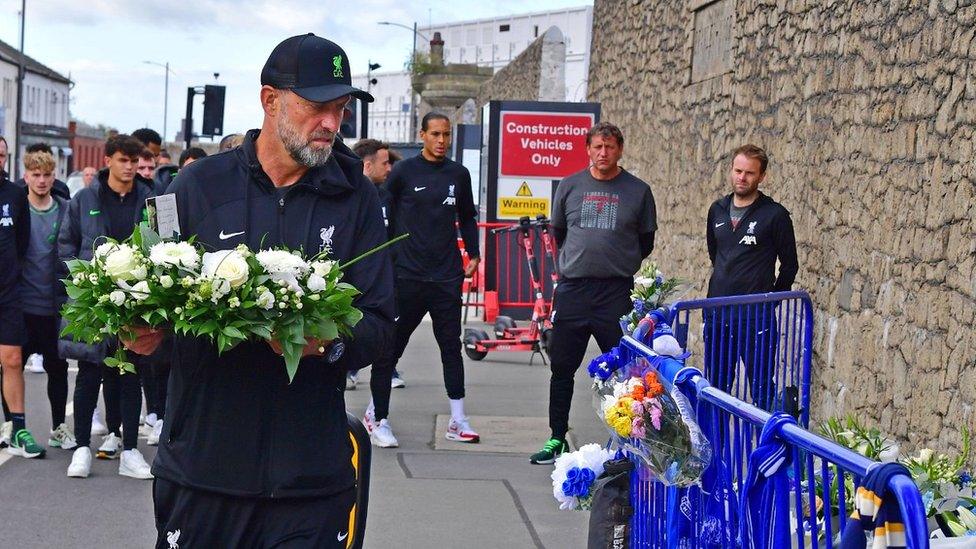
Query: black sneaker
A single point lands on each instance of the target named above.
(550, 450)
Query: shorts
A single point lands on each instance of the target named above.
(12, 330)
(189, 518)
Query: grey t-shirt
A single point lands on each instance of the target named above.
(603, 220)
(736, 213)
(38, 271)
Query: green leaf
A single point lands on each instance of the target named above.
(233, 332)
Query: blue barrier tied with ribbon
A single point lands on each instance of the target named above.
(764, 521)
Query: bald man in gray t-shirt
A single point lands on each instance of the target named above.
(604, 221)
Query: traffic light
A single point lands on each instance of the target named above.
(348, 128)
(213, 110)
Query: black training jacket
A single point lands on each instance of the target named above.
(744, 259)
(14, 238)
(430, 200)
(234, 424)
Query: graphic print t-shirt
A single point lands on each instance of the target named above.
(603, 220)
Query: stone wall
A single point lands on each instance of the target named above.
(868, 111)
(517, 81)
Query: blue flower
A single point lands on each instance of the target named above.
(639, 307)
(965, 478)
(927, 499)
(578, 481)
(659, 281)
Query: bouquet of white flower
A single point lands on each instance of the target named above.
(228, 296)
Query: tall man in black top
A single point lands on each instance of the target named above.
(604, 221)
(747, 232)
(430, 195)
(271, 460)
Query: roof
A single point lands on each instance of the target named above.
(11, 55)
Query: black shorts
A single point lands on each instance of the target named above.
(12, 330)
(189, 518)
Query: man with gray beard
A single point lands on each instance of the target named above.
(272, 459)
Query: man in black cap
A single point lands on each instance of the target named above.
(247, 459)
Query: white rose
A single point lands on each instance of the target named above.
(316, 283)
(323, 268)
(166, 281)
(227, 265)
(282, 262)
(117, 297)
(643, 282)
(266, 300)
(140, 272)
(140, 290)
(121, 262)
(174, 254)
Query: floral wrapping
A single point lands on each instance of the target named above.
(651, 419)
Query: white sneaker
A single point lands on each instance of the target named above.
(369, 420)
(35, 364)
(157, 430)
(63, 438)
(351, 381)
(382, 435)
(461, 431)
(134, 465)
(80, 466)
(111, 447)
(397, 382)
(6, 431)
(151, 419)
(98, 426)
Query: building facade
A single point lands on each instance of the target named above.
(44, 108)
(491, 42)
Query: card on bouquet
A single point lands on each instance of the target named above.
(164, 219)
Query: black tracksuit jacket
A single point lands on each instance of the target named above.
(430, 200)
(14, 238)
(234, 424)
(744, 259)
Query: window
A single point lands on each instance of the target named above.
(711, 53)
(504, 28)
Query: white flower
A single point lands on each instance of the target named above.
(140, 272)
(166, 281)
(227, 265)
(590, 456)
(117, 297)
(323, 268)
(121, 262)
(316, 283)
(219, 289)
(925, 454)
(140, 290)
(178, 310)
(643, 282)
(265, 300)
(174, 254)
(283, 305)
(233, 302)
(281, 262)
(103, 249)
(93, 278)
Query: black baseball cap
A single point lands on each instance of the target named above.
(313, 67)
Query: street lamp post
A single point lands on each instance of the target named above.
(413, 60)
(165, 93)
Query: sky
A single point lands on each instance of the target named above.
(102, 45)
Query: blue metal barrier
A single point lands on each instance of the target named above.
(756, 348)
(818, 510)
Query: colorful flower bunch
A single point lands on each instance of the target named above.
(650, 419)
(574, 473)
(651, 291)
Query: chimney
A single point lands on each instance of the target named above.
(437, 50)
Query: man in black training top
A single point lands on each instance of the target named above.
(747, 232)
(431, 194)
(604, 221)
(247, 459)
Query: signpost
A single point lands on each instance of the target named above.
(529, 147)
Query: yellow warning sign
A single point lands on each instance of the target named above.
(516, 207)
(524, 190)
